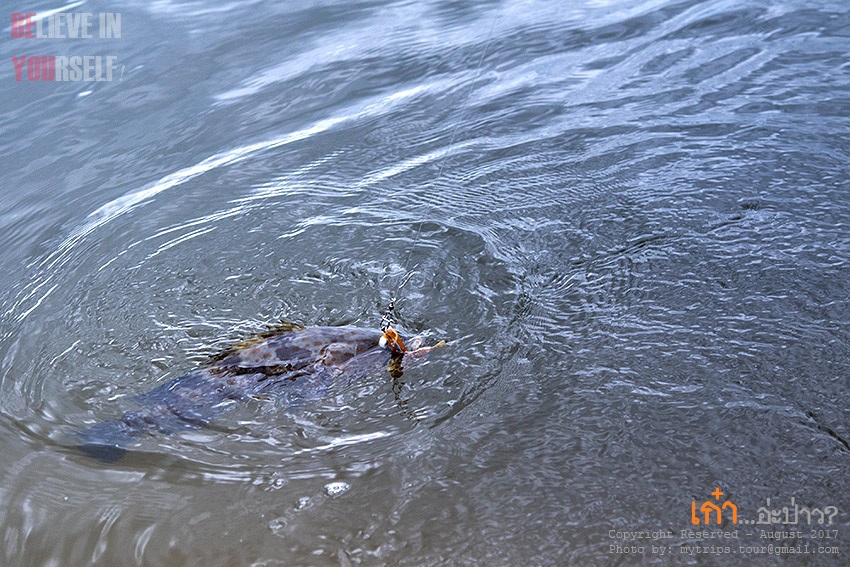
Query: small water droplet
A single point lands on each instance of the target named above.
(277, 525)
(336, 488)
(277, 481)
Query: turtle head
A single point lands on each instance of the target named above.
(390, 339)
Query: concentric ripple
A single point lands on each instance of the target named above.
(629, 220)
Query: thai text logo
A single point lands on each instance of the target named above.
(713, 510)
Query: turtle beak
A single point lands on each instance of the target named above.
(393, 340)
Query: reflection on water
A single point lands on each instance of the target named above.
(629, 220)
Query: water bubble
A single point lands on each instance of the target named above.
(277, 481)
(277, 525)
(336, 488)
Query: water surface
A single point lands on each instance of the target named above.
(630, 220)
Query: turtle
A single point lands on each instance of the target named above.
(288, 360)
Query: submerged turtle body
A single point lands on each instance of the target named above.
(289, 352)
(294, 362)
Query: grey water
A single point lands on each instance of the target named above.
(630, 221)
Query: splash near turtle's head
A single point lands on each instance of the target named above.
(391, 339)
